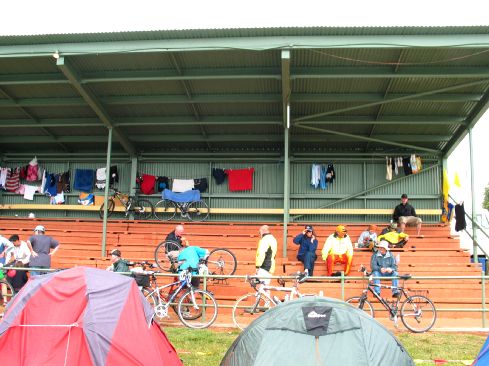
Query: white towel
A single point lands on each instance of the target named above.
(29, 192)
(182, 185)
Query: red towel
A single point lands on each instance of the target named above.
(148, 184)
(240, 179)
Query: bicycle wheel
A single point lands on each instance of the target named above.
(143, 210)
(418, 313)
(162, 258)
(110, 208)
(165, 210)
(197, 311)
(221, 262)
(362, 303)
(7, 294)
(248, 308)
(197, 211)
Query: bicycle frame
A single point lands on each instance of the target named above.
(265, 291)
(391, 308)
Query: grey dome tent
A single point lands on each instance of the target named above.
(316, 331)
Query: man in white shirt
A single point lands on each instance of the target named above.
(19, 256)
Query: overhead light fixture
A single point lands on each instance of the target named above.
(56, 54)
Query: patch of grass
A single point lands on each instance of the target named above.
(197, 347)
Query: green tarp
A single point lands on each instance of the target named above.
(316, 331)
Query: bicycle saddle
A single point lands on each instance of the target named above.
(405, 276)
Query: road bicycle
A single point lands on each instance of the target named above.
(417, 312)
(195, 308)
(188, 204)
(142, 209)
(250, 306)
(220, 262)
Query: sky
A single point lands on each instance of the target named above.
(42, 17)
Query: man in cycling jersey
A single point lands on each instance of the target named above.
(265, 255)
(189, 258)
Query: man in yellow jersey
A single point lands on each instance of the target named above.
(338, 249)
(265, 255)
(395, 238)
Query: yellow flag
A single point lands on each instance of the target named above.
(446, 185)
(456, 180)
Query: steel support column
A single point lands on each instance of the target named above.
(472, 196)
(286, 188)
(106, 193)
(132, 183)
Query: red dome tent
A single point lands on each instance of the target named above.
(82, 316)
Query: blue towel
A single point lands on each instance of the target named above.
(187, 196)
(84, 179)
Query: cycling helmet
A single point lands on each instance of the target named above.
(40, 228)
(383, 244)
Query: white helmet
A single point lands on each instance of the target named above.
(383, 244)
(40, 228)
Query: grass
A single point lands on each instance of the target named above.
(207, 347)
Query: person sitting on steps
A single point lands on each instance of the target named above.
(307, 249)
(338, 249)
(394, 238)
(383, 264)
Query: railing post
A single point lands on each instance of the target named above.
(342, 285)
(483, 276)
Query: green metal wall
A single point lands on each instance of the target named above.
(424, 189)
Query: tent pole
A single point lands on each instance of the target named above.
(106, 193)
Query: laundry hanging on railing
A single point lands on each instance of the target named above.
(182, 185)
(322, 175)
(240, 179)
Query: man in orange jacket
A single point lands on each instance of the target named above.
(338, 249)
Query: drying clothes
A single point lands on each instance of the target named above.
(3, 176)
(219, 175)
(101, 178)
(460, 223)
(414, 166)
(418, 163)
(114, 175)
(240, 179)
(50, 187)
(406, 164)
(21, 189)
(148, 184)
(65, 179)
(315, 175)
(23, 172)
(43, 181)
(182, 185)
(399, 164)
(162, 184)
(32, 170)
(84, 179)
(188, 196)
(388, 173)
(40, 172)
(12, 183)
(322, 179)
(59, 199)
(29, 192)
(330, 173)
(395, 166)
(200, 184)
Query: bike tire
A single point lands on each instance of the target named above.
(7, 293)
(110, 208)
(150, 296)
(198, 211)
(221, 261)
(161, 254)
(248, 308)
(204, 315)
(418, 308)
(362, 303)
(143, 210)
(165, 210)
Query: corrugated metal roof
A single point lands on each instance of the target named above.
(231, 93)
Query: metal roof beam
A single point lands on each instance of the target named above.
(71, 74)
(371, 72)
(258, 43)
(234, 98)
(391, 100)
(365, 138)
(221, 138)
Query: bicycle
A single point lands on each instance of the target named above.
(193, 305)
(7, 293)
(189, 204)
(248, 307)
(143, 209)
(220, 261)
(418, 308)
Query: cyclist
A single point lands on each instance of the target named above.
(118, 264)
(307, 249)
(384, 264)
(265, 255)
(338, 249)
(189, 258)
(177, 236)
(393, 237)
